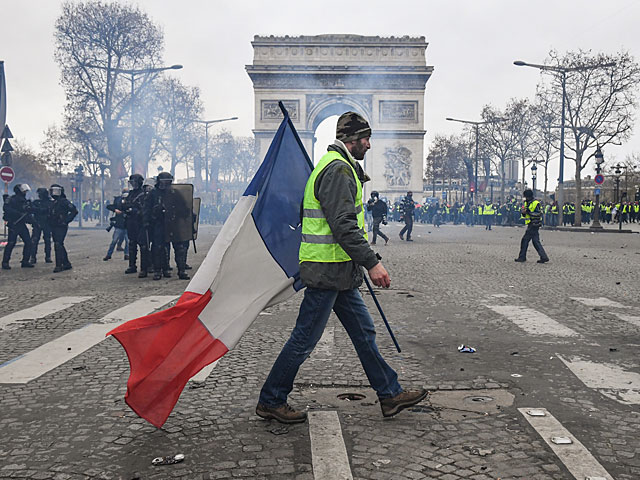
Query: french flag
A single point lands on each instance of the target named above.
(252, 264)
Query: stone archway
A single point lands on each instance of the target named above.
(383, 79)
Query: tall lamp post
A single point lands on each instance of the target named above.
(476, 126)
(563, 78)
(133, 72)
(618, 173)
(534, 175)
(596, 214)
(207, 124)
(102, 166)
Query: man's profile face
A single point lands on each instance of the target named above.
(360, 147)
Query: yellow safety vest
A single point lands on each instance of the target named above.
(531, 207)
(488, 210)
(318, 243)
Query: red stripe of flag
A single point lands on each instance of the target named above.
(165, 350)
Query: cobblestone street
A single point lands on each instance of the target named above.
(561, 337)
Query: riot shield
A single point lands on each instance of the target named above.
(196, 217)
(178, 217)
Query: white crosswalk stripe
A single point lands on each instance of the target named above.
(45, 358)
(41, 310)
(573, 453)
(611, 380)
(632, 319)
(203, 374)
(598, 302)
(532, 321)
(328, 451)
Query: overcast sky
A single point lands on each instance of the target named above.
(472, 46)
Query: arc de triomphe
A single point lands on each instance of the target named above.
(383, 79)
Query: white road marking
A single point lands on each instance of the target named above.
(328, 451)
(575, 456)
(41, 310)
(45, 358)
(610, 380)
(139, 308)
(598, 302)
(202, 375)
(532, 321)
(629, 318)
(324, 347)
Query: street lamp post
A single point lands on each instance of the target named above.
(207, 124)
(596, 214)
(619, 207)
(102, 166)
(477, 126)
(534, 172)
(563, 77)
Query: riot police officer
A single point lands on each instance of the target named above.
(155, 220)
(407, 206)
(41, 227)
(378, 209)
(17, 214)
(138, 236)
(61, 214)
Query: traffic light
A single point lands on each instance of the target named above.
(218, 195)
(472, 189)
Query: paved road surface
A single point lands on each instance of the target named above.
(562, 338)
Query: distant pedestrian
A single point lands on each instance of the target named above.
(407, 206)
(378, 209)
(532, 213)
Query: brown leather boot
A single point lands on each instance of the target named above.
(393, 405)
(283, 413)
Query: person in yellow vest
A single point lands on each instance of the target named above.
(333, 250)
(532, 213)
(488, 213)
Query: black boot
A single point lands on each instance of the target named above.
(5, 266)
(48, 260)
(157, 276)
(142, 274)
(183, 276)
(131, 270)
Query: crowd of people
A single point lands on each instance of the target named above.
(49, 216)
(139, 221)
(509, 212)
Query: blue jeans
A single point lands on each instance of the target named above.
(312, 320)
(119, 236)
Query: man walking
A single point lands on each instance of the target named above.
(408, 206)
(333, 251)
(378, 209)
(532, 214)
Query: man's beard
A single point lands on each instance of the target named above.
(358, 151)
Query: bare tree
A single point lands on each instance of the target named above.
(499, 139)
(446, 160)
(600, 103)
(95, 41)
(179, 135)
(547, 137)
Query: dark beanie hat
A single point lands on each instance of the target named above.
(352, 126)
(528, 193)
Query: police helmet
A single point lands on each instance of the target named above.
(164, 180)
(21, 188)
(56, 190)
(136, 180)
(375, 194)
(43, 193)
